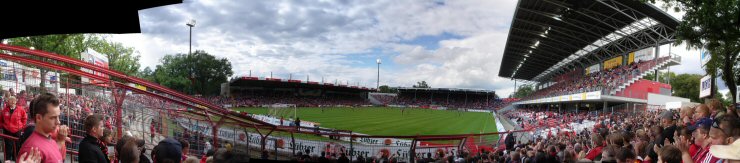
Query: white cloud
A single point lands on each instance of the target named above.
(332, 38)
(465, 63)
(335, 39)
(723, 92)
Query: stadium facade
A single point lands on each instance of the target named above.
(588, 55)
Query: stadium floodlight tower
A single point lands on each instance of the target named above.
(377, 86)
(191, 24)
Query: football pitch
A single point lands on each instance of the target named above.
(391, 121)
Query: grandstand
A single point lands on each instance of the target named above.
(588, 58)
(590, 103)
(254, 92)
(441, 98)
(447, 98)
(598, 68)
(146, 111)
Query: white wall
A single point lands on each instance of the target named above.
(658, 99)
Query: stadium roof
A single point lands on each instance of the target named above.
(455, 90)
(549, 37)
(281, 83)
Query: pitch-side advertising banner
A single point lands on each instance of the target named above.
(366, 147)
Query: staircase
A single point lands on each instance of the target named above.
(506, 109)
(674, 60)
(376, 101)
(373, 100)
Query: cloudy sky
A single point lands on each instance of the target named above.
(446, 43)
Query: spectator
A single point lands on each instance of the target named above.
(669, 154)
(22, 100)
(119, 145)
(702, 111)
(167, 151)
(209, 154)
(595, 153)
(222, 155)
(13, 120)
(185, 149)
(92, 149)
(191, 160)
(46, 114)
(130, 152)
(208, 147)
(142, 157)
(343, 158)
(321, 159)
(108, 136)
(669, 127)
(728, 152)
(715, 107)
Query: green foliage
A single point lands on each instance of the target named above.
(67, 44)
(120, 58)
(197, 73)
(421, 84)
(686, 86)
(523, 91)
(712, 25)
(387, 89)
(663, 76)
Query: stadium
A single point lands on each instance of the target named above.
(587, 60)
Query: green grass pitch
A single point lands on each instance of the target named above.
(391, 121)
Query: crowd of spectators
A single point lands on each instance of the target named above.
(262, 99)
(385, 99)
(603, 80)
(706, 133)
(449, 101)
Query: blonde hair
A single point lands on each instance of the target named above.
(714, 104)
(191, 159)
(12, 98)
(702, 108)
(687, 110)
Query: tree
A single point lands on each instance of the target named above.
(421, 84)
(198, 73)
(523, 91)
(664, 76)
(387, 89)
(686, 86)
(726, 99)
(70, 45)
(714, 26)
(146, 74)
(120, 58)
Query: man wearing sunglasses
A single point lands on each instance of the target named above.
(730, 152)
(717, 136)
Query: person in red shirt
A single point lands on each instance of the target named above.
(13, 120)
(595, 153)
(46, 112)
(107, 123)
(151, 134)
(22, 100)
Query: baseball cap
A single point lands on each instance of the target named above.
(168, 149)
(701, 123)
(730, 152)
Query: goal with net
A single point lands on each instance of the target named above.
(288, 111)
